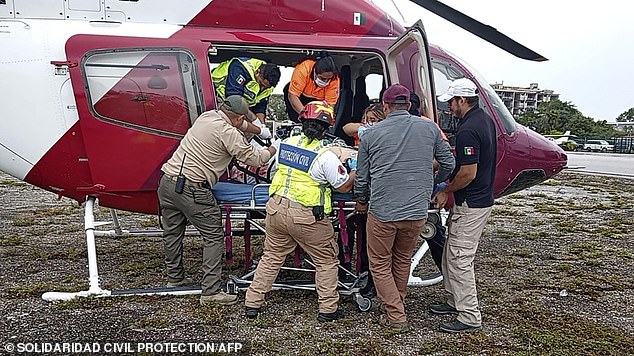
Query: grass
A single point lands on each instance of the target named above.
(37, 289)
(11, 240)
(153, 323)
(507, 212)
(535, 330)
(12, 183)
(86, 303)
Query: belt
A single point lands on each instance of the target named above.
(189, 182)
(283, 201)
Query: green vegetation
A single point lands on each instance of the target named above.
(556, 117)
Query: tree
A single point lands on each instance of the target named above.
(627, 116)
(556, 117)
(276, 109)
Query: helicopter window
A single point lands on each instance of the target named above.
(153, 89)
(444, 74)
(498, 106)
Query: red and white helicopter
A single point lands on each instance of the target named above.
(97, 93)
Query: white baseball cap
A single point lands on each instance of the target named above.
(459, 87)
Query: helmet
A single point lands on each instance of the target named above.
(320, 111)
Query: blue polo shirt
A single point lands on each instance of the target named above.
(237, 79)
(476, 143)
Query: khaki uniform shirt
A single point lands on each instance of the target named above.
(209, 145)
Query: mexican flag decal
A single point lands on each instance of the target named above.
(359, 18)
(469, 151)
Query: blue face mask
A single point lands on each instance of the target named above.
(361, 130)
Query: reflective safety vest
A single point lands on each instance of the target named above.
(251, 89)
(292, 179)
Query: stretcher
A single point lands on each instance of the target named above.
(246, 203)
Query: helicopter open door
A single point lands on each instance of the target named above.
(409, 64)
(135, 99)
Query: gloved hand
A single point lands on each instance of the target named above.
(350, 164)
(439, 188)
(265, 133)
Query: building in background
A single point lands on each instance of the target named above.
(520, 100)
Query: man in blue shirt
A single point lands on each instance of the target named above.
(254, 80)
(472, 186)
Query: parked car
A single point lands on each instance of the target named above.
(598, 146)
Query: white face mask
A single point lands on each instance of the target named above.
(321, 83)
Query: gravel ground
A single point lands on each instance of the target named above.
(554, 274)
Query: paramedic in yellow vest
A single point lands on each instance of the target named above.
(297, 211)
(252, 79)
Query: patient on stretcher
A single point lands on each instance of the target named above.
(239, 172)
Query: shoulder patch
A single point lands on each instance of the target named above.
(241, 79)
(469, 151)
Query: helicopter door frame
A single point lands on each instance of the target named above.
(422, 78)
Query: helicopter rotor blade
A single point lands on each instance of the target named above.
(479, 29)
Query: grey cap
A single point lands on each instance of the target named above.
(238, 105)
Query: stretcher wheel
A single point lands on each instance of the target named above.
(364, 304)
(429, 230)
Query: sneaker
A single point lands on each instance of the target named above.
(400, 327)
(337, 314)
(182, 283)
(251, 313)
(219, 298)
(457, 326)
(442, 308)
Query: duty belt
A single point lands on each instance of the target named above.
(189, 182)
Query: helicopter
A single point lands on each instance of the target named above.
(96, 94)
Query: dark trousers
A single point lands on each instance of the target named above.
(292, 114)
(203, 212)
(437, 244)
(355, 223)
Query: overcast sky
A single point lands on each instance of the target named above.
(590, 46)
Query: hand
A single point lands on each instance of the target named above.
(265, 133)
(361, 208)
(441, 199)
(276, 144)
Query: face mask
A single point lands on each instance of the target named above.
(321, 83)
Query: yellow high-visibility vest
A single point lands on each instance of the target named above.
(252, 92)
(292, 179)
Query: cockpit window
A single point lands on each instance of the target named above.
(502, 112)
(445, 73)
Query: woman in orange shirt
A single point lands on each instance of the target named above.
(313, 79)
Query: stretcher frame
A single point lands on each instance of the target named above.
(249, 211)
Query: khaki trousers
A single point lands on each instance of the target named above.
(464, 228)
(287, 224)
(204, 213)
(390, 247)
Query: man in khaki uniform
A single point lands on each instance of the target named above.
(472, 186)
(297, 212)
(202, 156)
